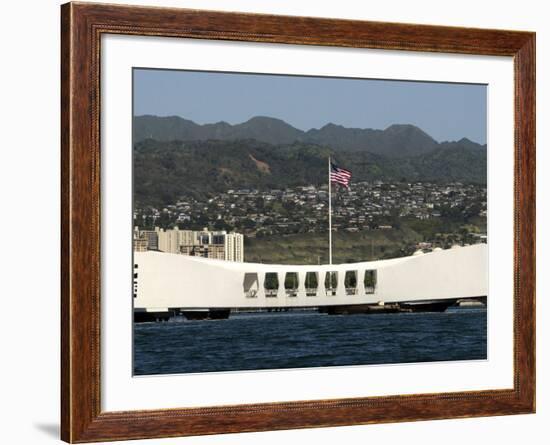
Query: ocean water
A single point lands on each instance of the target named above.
(308, 339)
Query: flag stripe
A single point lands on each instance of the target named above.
(345, 178)
(342, 172)
(344, 183)
(339, 178)
(339, 175)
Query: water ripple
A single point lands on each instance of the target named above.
(297, 340)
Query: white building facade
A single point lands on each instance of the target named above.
(166, 281)
(234, 247)
(211, 244)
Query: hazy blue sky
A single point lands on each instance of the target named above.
(445, 111)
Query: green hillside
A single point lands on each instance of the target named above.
(166, 171)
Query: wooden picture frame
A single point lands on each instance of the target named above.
(82, 26)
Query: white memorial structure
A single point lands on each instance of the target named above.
(167, 284)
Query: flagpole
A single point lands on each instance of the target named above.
(329, 216)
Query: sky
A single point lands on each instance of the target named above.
(446, 111)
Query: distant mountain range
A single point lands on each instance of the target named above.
(396, 141)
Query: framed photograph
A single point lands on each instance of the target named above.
(274, 222)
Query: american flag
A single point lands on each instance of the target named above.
(339, 175)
